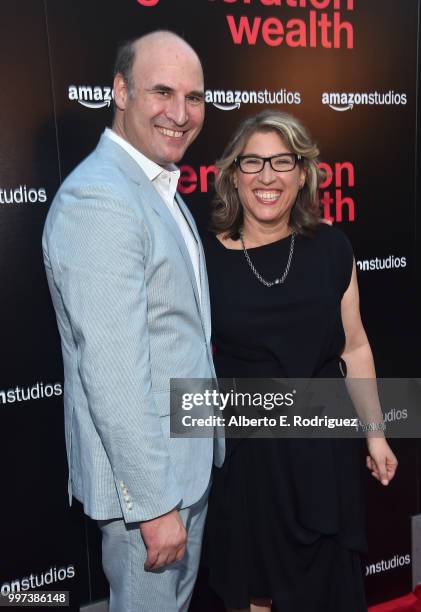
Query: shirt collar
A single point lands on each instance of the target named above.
(149, 167)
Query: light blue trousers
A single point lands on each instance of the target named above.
(132, 589)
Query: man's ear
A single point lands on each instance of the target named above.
(120, 91)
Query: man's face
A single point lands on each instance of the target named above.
(165, 111)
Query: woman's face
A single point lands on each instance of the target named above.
(268, 196)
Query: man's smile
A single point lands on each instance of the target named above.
(169, 132)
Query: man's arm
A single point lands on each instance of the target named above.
(97, 250)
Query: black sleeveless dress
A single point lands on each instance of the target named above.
(286, 516)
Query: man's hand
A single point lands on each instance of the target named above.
(165, 539)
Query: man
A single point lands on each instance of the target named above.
(127, 276)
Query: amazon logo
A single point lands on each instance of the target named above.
(344, 101)
(91, 97)
(232, 99)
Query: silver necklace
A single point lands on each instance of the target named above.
(276, 281)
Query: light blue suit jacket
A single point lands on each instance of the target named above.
(130, 318)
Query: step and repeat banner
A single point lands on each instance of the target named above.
(348, 69)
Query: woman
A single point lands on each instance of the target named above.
(285, 522)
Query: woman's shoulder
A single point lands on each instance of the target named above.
(207, 236)
(333, 237)
(338, 249)
(330, 232)
(219, 242)
(211, 244)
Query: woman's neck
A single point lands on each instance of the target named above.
(256, 234)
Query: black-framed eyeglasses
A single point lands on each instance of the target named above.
(252, 164)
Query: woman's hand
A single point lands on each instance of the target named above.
(381, 460)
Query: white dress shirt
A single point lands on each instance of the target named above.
(165, 182)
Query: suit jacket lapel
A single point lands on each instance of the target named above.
(204, 285)
(158, 204)
(149, 193)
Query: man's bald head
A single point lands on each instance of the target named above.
(143, 47)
